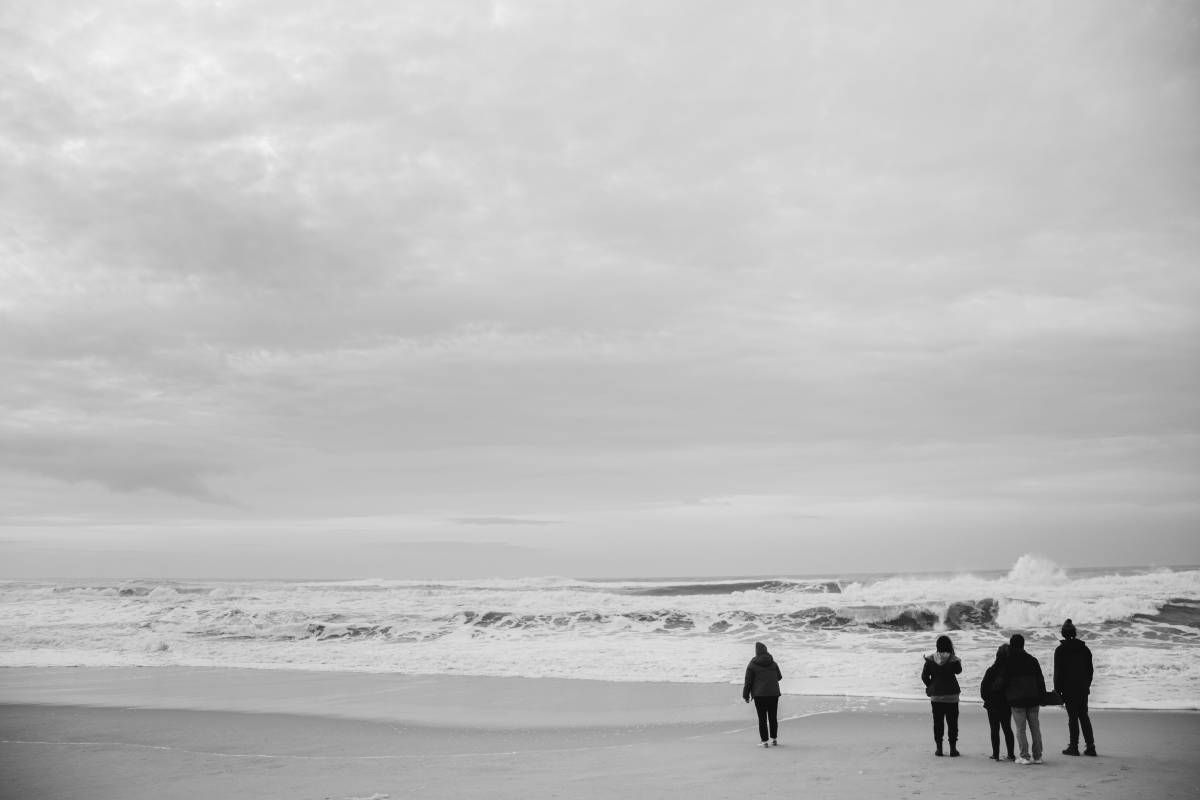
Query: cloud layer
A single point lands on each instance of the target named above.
(494, 262)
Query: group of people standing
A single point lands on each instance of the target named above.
(1013, 690)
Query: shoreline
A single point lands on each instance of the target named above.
(199, 733)
(24, 684)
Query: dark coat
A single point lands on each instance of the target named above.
(762, 677)
(1023, 679)
(991, 688)
(938, 675)
(1072, 668)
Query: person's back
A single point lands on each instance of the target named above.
(1024, 682)
(1072, 668)
(1073, 674)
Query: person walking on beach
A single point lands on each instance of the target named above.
(991, 689)
(1073, 680)
(1024, 687)
(941, 686)
(762, 684)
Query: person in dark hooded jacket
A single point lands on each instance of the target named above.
(762, 684)
(1024, 686)
(1073, 680)
(991, 689)
(942, 688)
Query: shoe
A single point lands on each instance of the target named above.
(1071, 751)
(1038, 761)
(766, 743)
(994, 756)
(954, 752)
(1091, 751)
(1010, 757)
(774, 743)
(1023, 761)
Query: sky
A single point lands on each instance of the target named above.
(460, 289)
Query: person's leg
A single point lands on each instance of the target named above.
(1071, 704)
(994, 730)
(1020, 718)
(773, 716)
(939, 725)
(1006, 726)
(760, 706)
(952, 725)
(1085, 722)
(1035, 733)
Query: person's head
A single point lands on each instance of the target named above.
(760, 649)
(1001, 652)
(944, 645)
(1017, 643)
(1068, 630)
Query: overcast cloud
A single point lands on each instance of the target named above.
(599, 288)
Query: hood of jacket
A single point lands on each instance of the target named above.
(762, 660)
(941, 659)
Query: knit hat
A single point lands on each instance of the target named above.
(1068, 630)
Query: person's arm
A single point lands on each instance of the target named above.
(956, 666)
(748, 683)
(1058, 669)
(778, 672)
(927, 673)
(1089, 672)
(983, 684)
(1041, 679)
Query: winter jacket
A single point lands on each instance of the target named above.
(762, 677)
(1072, 668)
(938, 677)
(1024, 683)
(991, 688)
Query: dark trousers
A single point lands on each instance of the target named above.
(1000, 718)
(768, 716)
(945, 715)
(1077, 717)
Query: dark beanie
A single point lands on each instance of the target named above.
(1068, 630)
(760, 649)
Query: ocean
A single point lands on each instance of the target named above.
(861, 635)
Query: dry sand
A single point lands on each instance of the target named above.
(193, 733)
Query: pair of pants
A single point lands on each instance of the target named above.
(945, 715)
(1021, 718)
(1077, 717)
(768, 716)
(1000, 718)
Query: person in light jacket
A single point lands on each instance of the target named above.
(941, 686)
(762, 685)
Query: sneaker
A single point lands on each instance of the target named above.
(774, 743)
(1023, 761)
(1091, 751)
(994, 756)
(1071, 751)
(1010, 757)
(766, 744)
(1038, 761)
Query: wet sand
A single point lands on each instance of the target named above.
(211, 733)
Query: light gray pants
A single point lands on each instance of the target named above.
(1020, 717)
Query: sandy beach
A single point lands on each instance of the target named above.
(211, 733)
